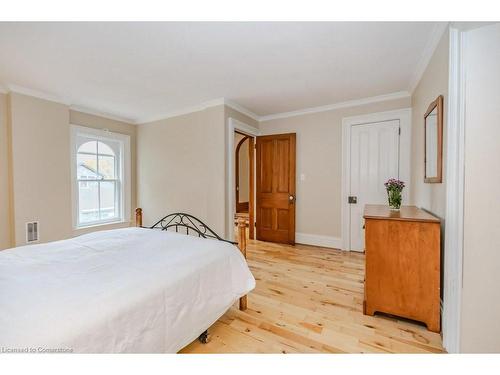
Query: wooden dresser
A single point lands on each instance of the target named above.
(403, 264)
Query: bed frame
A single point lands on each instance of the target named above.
(189, 224)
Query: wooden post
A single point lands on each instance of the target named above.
(242, 245)
(138, 217)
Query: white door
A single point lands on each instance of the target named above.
(374, 159)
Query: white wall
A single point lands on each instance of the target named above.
(480, 322)
(5, 212)
(434, 82)
(40, 167)
(181, 167)
(319, 158)
(38, 139)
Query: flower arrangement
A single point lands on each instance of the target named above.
(394, 189)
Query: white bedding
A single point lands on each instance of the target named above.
(124, 290)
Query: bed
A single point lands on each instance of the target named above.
(140, 290)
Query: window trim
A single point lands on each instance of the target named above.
(125, 173)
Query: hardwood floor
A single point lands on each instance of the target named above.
(309, 299)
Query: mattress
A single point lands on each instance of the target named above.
(125, 290)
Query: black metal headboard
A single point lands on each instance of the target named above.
(189, 223)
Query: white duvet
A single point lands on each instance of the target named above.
(123, 290)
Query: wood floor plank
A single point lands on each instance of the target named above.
(309, 300)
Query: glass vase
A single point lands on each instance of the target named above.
(394, 197)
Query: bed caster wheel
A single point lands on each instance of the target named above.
(204, 337)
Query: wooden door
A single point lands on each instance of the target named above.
(374, 159)
(275, 188)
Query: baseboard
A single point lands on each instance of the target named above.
(317, 240)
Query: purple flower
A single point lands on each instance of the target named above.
(394, 184)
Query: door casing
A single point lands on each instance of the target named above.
(234, 125)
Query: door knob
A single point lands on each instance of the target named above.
(291, 198)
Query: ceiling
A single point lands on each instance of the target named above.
(144, 71)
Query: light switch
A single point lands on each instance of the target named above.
(302, 177)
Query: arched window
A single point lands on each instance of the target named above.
(99, 183)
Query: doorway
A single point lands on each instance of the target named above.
(375, 147)
(374, 160)
(235, 125)
(244, 172)
(275, 188)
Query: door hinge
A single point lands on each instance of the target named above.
(399, 130)
(255, 224)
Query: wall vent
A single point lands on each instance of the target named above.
(32, 231)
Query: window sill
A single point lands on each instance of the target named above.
(108, 225)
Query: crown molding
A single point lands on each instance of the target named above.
(469, 25)
(242, 110)
(106, 115)
(429, 50)
(346, 104)
(37, 94)
(200, 107)
(182, 111)
(75, 107)
(56, 99)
